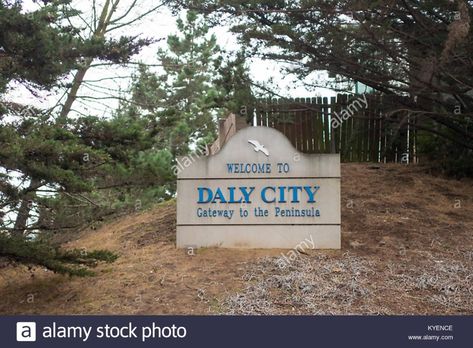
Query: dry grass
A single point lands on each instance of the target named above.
(350, 284)
(150, 277)
(407, 248)
(308, 285)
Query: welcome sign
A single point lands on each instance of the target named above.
(259, 192)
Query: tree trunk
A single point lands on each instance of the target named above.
(25, 207)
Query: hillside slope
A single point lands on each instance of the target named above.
(407, 247)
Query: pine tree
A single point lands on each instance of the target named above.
(238, 97)
(182, 101)
(43, 154)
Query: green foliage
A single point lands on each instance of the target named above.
(236, 82)
(33, 49)
(444, 155)
(39, 47)
(52, 171)
(39, 253)
(155, 164)
(182, 102)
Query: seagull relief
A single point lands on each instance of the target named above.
(259, 147)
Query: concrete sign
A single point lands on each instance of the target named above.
(259, 192)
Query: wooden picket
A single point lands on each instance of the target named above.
(371, 134)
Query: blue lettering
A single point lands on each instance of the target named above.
(263, 194)
(282, 198)
(219, 195)
(247, 194)
(201, 195)
(248, 168)
(295, 193)
(232, 195)
(311, 193)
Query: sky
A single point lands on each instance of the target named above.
(158, 25)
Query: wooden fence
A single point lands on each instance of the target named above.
(370, 128)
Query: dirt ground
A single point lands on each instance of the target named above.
(407, 248)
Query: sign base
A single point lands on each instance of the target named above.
(259, 237)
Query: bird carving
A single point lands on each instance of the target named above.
(259, 147)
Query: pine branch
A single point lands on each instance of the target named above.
(38, 253)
